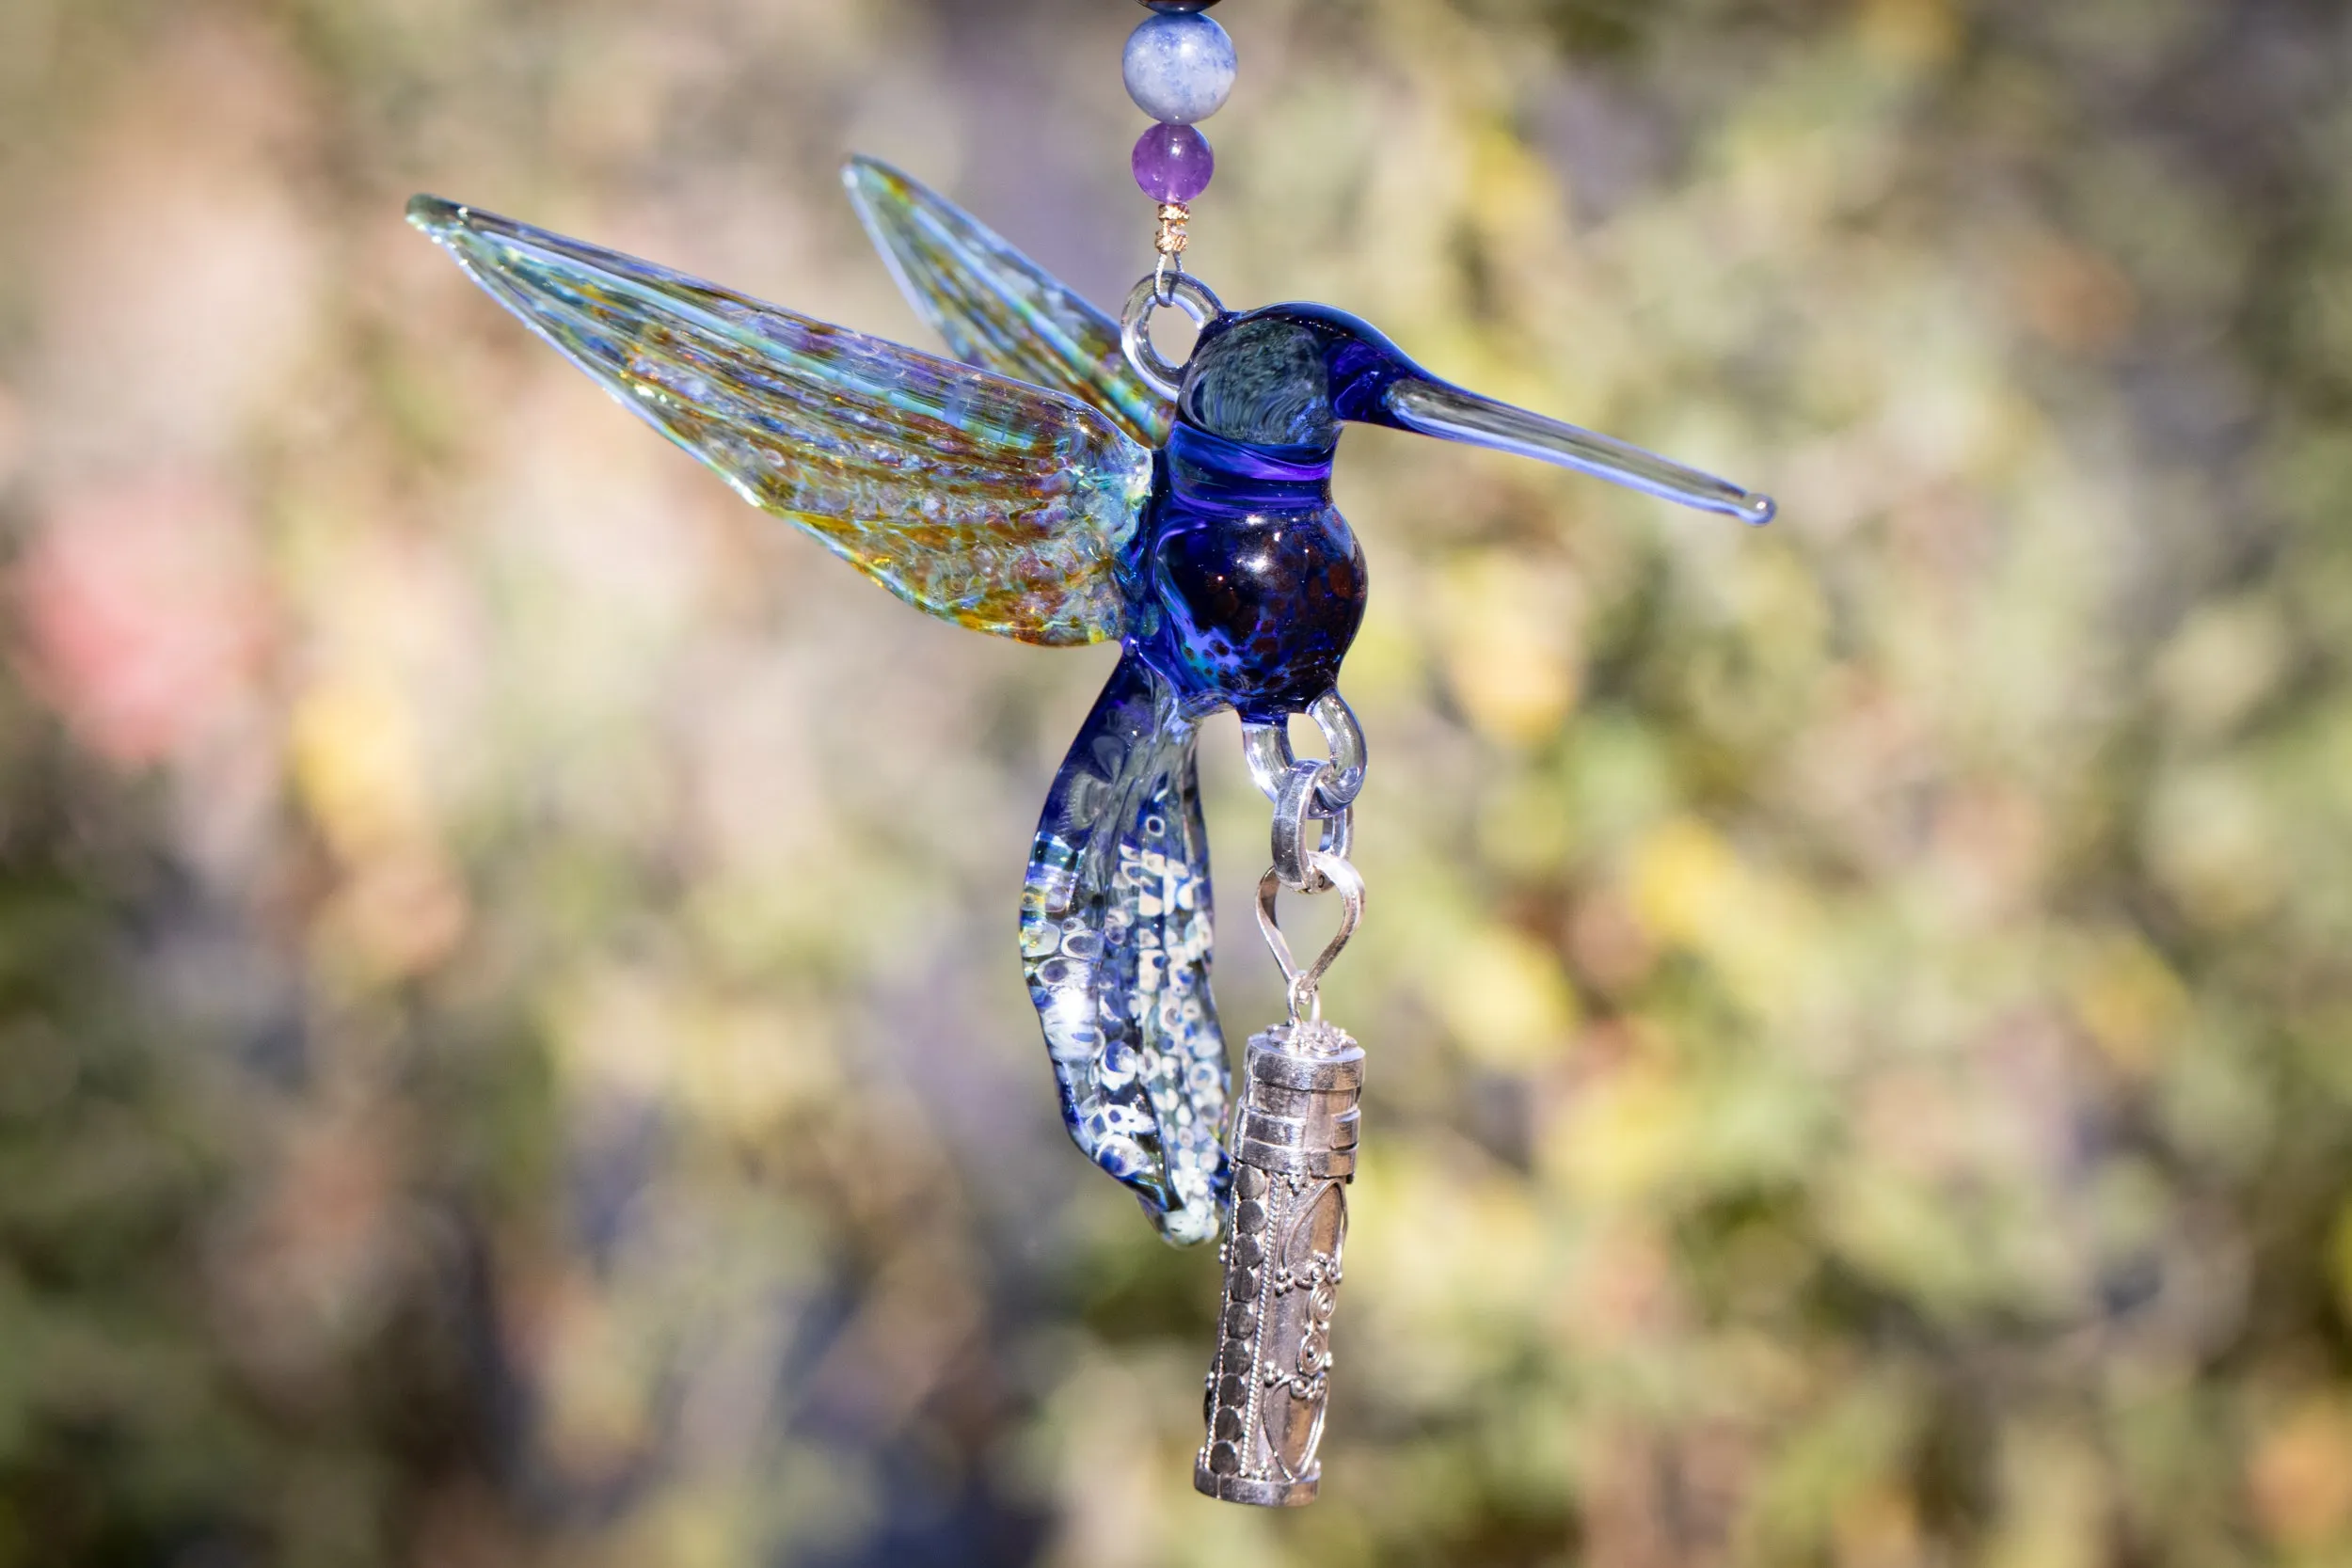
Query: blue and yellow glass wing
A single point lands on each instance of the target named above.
(1002, 506)
(995, 308)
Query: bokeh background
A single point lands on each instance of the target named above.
(512, 1049)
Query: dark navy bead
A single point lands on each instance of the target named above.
(1178, 8)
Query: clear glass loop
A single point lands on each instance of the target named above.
(1188, 295)
(1266, 748)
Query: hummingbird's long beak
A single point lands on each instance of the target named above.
(1435, 408)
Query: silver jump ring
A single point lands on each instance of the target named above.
(1295, 843)
(1188, 295)
(1306, 985)
(1267, 749)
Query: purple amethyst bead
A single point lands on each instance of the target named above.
(1172, 163)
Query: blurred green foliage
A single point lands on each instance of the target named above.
(511, 1046)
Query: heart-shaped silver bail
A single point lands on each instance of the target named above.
(1306, 997)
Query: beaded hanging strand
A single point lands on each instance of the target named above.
(1180, 68)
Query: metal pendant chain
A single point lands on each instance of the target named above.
(1294, 1151)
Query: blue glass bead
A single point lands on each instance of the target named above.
(1180, 68)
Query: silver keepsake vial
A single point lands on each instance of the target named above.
(1293, 1155)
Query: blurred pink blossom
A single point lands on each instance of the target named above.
(142, 612)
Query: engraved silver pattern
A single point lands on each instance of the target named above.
(1294, 1142)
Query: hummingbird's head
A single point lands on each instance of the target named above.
(1287, 375)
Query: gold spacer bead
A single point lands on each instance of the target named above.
(1172, 239)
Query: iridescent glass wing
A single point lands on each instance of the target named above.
(995, 308)
(981, 500)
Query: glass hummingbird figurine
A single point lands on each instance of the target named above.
(1051, 485)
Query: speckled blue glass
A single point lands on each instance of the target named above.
(1117, 932)
(1044, 491)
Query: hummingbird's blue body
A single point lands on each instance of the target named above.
(1253, 581)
